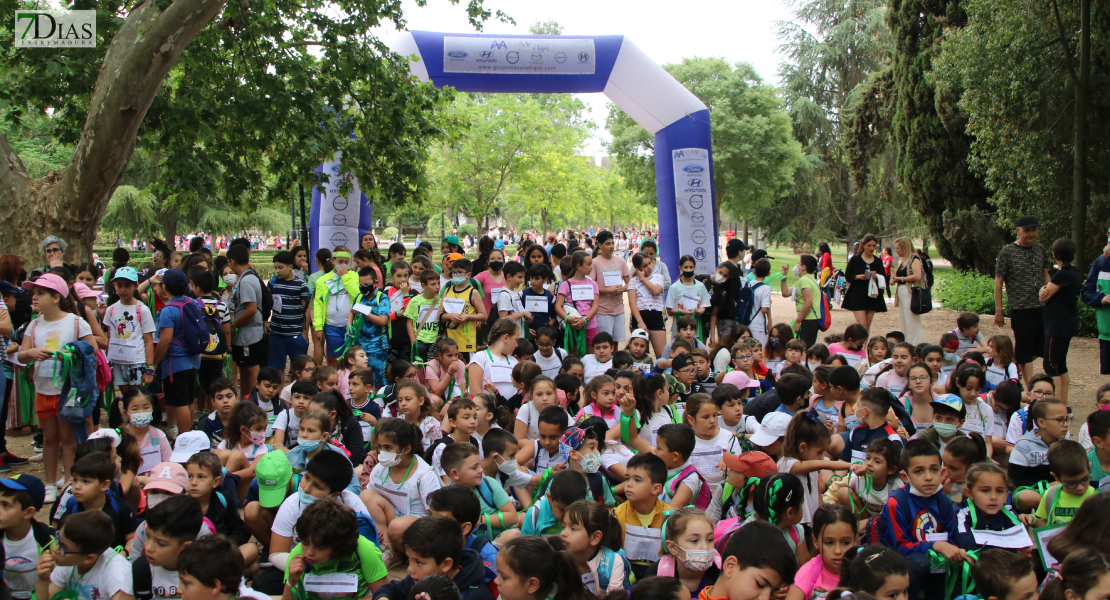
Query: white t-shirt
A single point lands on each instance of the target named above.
(761, 298)
(687, 298)
(550, 366)
(707, 455)
(746, 424)
(615, 453)
(811, 483)
(290, 423)
(980, 419)
(19, 566)
(53, 336)
(411, 496)
(250, 450)
(285, 522)
(592, 368)
(722, 359)
(498, 371)
(996, 374)
(510, 301)
(657, 420)
(644, 299)
(1085, 437)
(126, 326)
(529, 415)
(110, 575)
(165, 583)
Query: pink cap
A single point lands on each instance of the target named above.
(740, 380)
(83, 291)
(50, 282)
(168, 477)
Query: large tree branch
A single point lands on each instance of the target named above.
(137, 61)
(13, 175)
(1072, 75)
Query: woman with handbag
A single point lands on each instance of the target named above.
(909, 277)
(864, 297)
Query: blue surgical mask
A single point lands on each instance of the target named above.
(308, 445)
(946, 429)
(305, 498)
(458, 280)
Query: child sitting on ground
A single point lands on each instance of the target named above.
(212, 568)
(289, 421)
(265, 397)
(1029, 460)
(224, 401)
(83, 562)
(1002, 575)
(460, 504)
(21, 497)
(171, 526)
(755, 560)
(92, 480)
(461, 464)
(436, 545)
(332, 550)
(1069, 467)
(546, 516)
(205, 475)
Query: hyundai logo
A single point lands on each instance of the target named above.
(487, 54)
(694, 183)
(693, 168)
(457, 54)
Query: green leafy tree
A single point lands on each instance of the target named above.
(754, 154)
(229, 94)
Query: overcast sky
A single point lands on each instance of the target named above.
(667, 31)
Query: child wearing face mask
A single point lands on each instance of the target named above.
(244, 442)
(332, 299)
(580, 449)
(950, 345)
(851, 346)
(368, 322)
(138, 407)
(687, 552)
(687, 296)
(498, 452)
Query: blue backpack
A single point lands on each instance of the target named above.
(605, 571)
(367, 529)
(745, 302)
(194, 332)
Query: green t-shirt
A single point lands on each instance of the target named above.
(1064, 505)
(490, 496)
(1102, 314)
(365, 565)
(429, 331)
(800, 300)
(1098, 476)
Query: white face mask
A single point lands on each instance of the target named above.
(718, 278)
(795, 271)
(508, 467)
(153, 500)
(389, 459)
(230, 278)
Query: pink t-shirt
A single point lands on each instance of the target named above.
(582, 306)
(488, 286)
(434, 372)
(609, 304)
(850, 355)
(812, 577)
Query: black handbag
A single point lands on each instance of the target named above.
(921, 300)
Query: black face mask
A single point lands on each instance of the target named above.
(687, 273)
(366, 289)
(496, 266)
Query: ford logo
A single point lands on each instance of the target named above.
(693, 168)
(457, 54)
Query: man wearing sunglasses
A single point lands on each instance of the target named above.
(53, 249)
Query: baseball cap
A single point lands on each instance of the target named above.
(83, 291)
(7, 289)
(680, 362)
(760, 253)
(26, 483)
(772, 428)
(751, 464)
(452, 239)
(951, 401)
(188, 444)
(640, 334)
(273, 473)
(175, 277)
(737, 244)
(127, 273)
(1028, 221)
(50, 282)
(110, 434)
(455, 256)
(740, 380)
(168, 477)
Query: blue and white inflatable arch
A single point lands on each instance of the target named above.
(610, 64)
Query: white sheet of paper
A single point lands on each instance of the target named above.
(362, 309)
(690, 301)
(936, 537)
(277, 303)
(1014, 537)
(612, 278)
(331, 583)
(494, 293)
(1045, 535)
(852, 359)
(397, 304)
(453, 306)
(424, 309)
(501, 373)
(581, 293)
(535, 304)
(642, 543)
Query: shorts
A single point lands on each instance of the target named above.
(724, 327)
(254, 355)
(1056, 356)
(123, 374)
(653, 320)
(1028, 327)
(180, 389)
(613, 325)
(46, 406)
(210, 371)
(1104, 357)
(333, 339)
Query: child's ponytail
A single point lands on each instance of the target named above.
(806, 429)
(777, 493)
(533, 557)
(866, 569)
(644, 390)
(969, 450)
(1080, 572)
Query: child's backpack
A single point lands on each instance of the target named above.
(266, 307)
(367, 528)
(605, 570)
(704, 497)
(194, 333)
(217, 343)
(824, 319)
(745, 303)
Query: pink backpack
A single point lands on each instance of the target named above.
(704, 497)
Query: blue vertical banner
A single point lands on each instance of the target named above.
(338, 220)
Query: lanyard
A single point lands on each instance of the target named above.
(1005, 511)
(407, 471)
(491, 359)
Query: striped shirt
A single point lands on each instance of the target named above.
(288, 316)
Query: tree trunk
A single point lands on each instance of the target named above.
(1080, 192)
(69, 203)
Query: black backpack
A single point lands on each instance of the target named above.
(745, 302)
(267, 304)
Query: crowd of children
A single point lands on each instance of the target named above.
(531, 453)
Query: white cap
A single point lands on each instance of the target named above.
(107, 433)
(640, 334)
(188, 444)
(771, 429)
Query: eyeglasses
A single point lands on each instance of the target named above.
(1042, 394)
(743, 357)
(53, 250)
(1063, 421)
(1074, 484)
(690, 371)
(547, 345)
(59, 548)
(920, 378)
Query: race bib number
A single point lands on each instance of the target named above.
(423, 310)
(581, 293)
(331, 583)
(690, 301)
(501, 374)
(642, 543)
(535, 304)
(454, 306)
(612, 278)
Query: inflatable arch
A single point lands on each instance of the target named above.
(610, 64)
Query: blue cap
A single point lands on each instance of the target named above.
(951, 401)
(127, 273)
(27, 483)
(175, 277)
(7, 289)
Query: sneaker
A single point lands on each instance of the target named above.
(51, 494)
(4, 466)
(36, 458)
(11, 459)
(36, 446)
(61, 483)
(171, 434)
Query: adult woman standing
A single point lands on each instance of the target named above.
(908, 275)
(494, 365)
(862, 268)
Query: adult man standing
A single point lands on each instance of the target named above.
(1023, 267)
